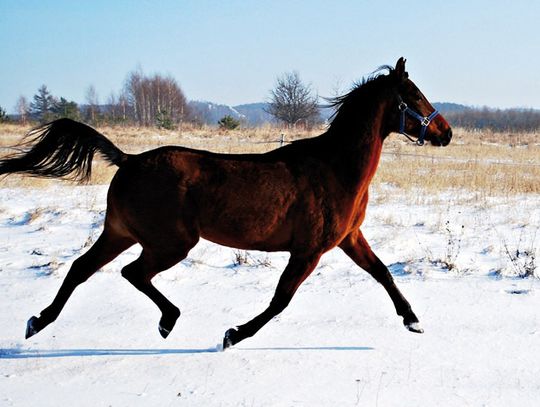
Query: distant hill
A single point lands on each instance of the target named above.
(255, 113)
(250, 114)
(446, 107)
(211, 113)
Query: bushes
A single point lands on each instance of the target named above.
(228, 123)
(3, 116)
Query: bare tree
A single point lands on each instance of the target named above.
(123, 106)
(22, 107)
(291, 101)
(134, 98)
(92, 105)
(155, 100)
(112, 109)
(337, 87)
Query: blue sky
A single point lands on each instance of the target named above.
(471, 52)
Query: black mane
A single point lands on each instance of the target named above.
(360, 93)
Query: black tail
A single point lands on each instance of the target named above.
(62, 148)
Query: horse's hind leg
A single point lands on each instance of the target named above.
(104, 250)
(141, 271)
(297, 270)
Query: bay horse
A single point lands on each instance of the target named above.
(304, 198)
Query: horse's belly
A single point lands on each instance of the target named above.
(246, 204)
(263, 227)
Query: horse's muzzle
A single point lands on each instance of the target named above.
(447, 137)
(442, 140)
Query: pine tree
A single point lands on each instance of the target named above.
(228, 123)
(3, 115)
(42, 106)
(164, 121)
(65, 108)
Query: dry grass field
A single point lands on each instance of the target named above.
(486, 164)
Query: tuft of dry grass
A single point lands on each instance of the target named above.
(481, 162)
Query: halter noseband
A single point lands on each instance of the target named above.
(424, 120)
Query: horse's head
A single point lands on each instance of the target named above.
(413, 115)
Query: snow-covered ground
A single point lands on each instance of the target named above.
(339, 343)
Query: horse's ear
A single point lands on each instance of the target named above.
(400, 69)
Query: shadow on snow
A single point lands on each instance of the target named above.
(62, 353)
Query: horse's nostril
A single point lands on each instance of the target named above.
(449, 134)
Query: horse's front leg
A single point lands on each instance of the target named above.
(297, 270)
(357, 248)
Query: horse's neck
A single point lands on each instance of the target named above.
(360, 148)
(365, 162)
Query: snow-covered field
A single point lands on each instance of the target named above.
(339, 343)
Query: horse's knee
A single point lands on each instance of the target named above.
(132, 273)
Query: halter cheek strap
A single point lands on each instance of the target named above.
(424, 121)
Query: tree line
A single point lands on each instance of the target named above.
(158, 100)
(506, 120)
(154, 100)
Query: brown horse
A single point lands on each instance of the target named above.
(305, 198)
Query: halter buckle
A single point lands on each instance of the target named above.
(424, 121)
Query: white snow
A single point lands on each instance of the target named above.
(339, 343)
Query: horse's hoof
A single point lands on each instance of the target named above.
(230, 338)
(31, 327)
(414, 327)
(163, 332)
(166, 324)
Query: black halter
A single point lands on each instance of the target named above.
(424, 121)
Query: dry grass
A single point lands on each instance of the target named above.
(485, 163)
(136, 140)
(487, 179)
